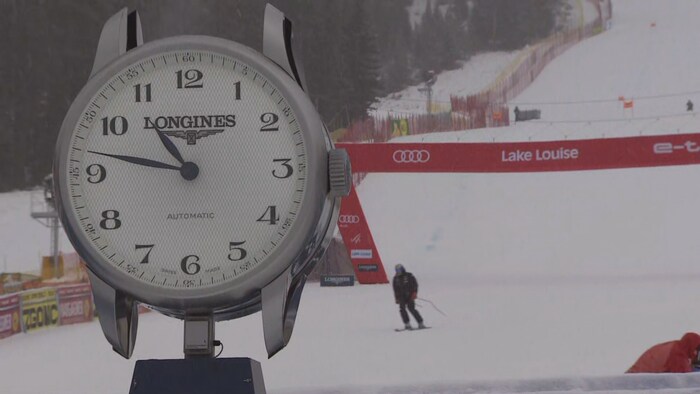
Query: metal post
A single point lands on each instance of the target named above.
(430, 100)
(54, 246)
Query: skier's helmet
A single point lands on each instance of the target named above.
(399, 268)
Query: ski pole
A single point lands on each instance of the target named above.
(431, 303)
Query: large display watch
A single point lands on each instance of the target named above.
(195, 176)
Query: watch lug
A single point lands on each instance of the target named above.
(280, 302)
(118, 315)
(120, 33)
(278, 44)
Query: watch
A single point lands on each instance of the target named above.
(195, 176)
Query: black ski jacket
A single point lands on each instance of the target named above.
(404, 285)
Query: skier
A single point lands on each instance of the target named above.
(673, 356)
(689, 106)
(405, 293)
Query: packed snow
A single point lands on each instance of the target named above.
(550, 282)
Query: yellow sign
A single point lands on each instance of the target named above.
(15, 322)
(39, 309)
(399, 127)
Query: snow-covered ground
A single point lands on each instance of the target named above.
(551, 282)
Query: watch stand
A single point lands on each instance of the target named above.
(200, 372)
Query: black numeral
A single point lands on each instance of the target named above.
(131, 74)
(189, 79)
(238, 90)
(235, 246)
(270, 215)
(287, 167)
(145, 258)
(269, 120)
(143, 92)
(117, 125)
(189, 265)
(97, 173)
(89, 116)
(75, 172)
(110, 220)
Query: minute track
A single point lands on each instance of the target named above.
(121, 154)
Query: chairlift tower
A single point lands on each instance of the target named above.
(430, 79)
(43, 210)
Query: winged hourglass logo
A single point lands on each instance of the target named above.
(192, 135)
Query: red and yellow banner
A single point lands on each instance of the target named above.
(75, 304)
(10, 323)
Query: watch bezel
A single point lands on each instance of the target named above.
(312, 219)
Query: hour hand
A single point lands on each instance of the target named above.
(170, 146)
(139, 160)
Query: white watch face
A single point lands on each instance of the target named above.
(186, 170)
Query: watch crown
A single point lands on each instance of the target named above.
(339, 172)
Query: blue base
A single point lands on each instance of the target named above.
(198, 376)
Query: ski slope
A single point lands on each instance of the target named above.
(551, 282)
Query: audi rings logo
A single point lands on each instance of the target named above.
(349, 219)
(411, 156)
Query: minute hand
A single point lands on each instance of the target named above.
(140, 161)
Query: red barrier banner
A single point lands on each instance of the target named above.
(75, 304)
(571, 155)
(9, 316)
(359, 242)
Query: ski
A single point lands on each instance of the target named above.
(410, 329)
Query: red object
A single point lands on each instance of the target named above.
(628, 104)
(359, 242)
(9, 316)
(672, 356)
(75, 304)
(571, 155)
(414, 295)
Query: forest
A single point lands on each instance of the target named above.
(353, 51)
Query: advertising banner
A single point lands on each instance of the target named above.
(571, 155)
(337, 280)
(358, 239)
(9, 316)
(75, 304)
(39, 309)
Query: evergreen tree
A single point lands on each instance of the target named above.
(362, 60)
(352, 52)
(511, 24)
